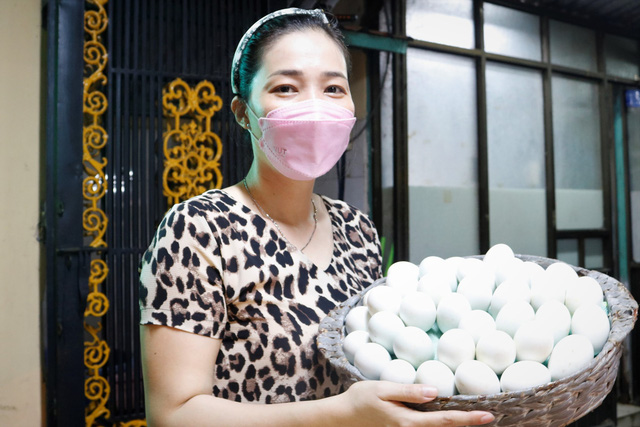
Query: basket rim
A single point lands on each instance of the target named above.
(622, 315)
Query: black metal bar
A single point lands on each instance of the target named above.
(483, 144)
(582, 233)
(581, 252)
(49, 322)
(63, 352)
(400, 141)
(550, 193)
(375, 132)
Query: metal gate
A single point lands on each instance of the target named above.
(138, 118)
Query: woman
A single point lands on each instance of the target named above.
(236, 280)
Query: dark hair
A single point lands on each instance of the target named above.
(269, 32)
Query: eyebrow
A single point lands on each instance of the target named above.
(296, 73)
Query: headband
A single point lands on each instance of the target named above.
(235, 64)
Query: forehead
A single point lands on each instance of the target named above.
(302, 49)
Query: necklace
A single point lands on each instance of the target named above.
(262, 211)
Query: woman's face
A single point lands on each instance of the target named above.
(299, 66)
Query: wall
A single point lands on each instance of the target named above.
(20, 372)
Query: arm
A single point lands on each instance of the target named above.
(179, 376)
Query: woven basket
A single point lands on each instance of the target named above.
(554, 404)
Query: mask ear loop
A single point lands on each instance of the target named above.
(248, 124)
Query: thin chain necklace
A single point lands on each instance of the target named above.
(315, 216)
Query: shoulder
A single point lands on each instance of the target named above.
(215, 207)
(212, 201)
(346, 212)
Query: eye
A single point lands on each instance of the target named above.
(335, 89)
(284, 89)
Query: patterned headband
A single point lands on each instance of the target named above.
(251, 31)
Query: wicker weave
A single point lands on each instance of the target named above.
(554, 404)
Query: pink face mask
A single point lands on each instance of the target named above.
(305, 139)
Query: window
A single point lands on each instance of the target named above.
(443, 201)
(511, 32)
(515, 122)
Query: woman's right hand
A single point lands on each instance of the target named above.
(372, 403)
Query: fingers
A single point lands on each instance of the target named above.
(412, 393)
(459, 418)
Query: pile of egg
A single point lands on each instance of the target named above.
(477, 326)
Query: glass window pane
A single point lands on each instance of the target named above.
(443, 200)
(515, 121)
(593, 254)
(511, 32)
(447, 22)
(633, 135)
(577, 154)
(568, 251)
(573, 46)
(621, 56)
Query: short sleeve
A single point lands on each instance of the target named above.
(180, 277)
(374, 251)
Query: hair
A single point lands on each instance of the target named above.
(269, 32)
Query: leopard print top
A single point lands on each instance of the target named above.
(217, 268)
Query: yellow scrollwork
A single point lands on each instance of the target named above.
(134, 423)
(94, 219)
(191, 149)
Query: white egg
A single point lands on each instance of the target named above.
(475, 266)
(418, 309)
(450, 310)
(413, 345)
(370, 359)
(513, 315)
(591, 321)
(455, 346)
(545, 287)
(511, 269)
(383, 298)
(497, 349)
(562, 272)
(498, 254)
(435, 286)
(572, 354)
(365, 298)
(529, 270)
(384, 326)
(583, 290)
(403, 276)
(476, 378)
(509, 291)
(399, 371)
(436, 374)
(430, 263)
(477, 323)
(454, 263)
(524, 375)
(554, 316)
(477, 291)
(533, 342)
(357, 319)
(352, 343)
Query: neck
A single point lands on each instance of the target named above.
(286, 201)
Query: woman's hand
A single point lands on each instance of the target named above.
(372, 403)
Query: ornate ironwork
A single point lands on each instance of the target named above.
(191, 149)
(94, 219)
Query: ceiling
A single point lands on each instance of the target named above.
(620, 17)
